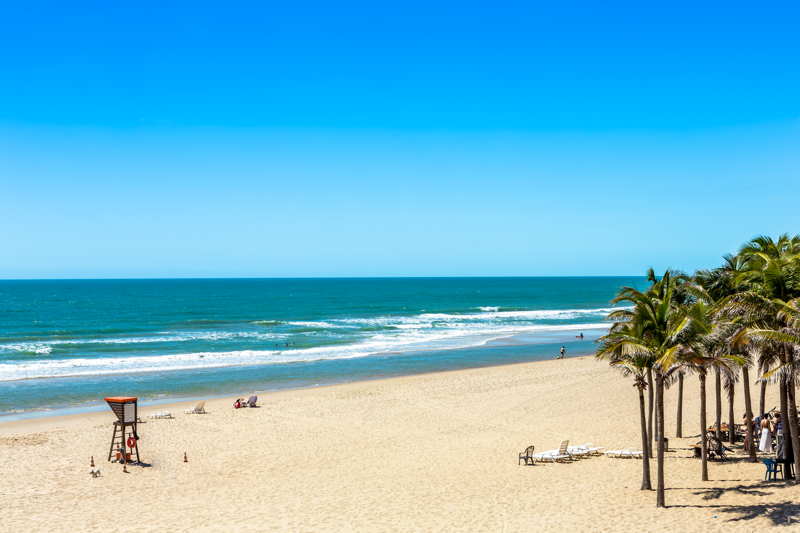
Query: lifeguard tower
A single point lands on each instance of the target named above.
(125, 407)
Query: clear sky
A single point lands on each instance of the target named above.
(170, 139)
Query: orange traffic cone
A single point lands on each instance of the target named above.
(92, 462)
(185, 459)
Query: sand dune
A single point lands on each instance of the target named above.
(435, 452)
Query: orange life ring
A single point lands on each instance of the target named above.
(131, 442)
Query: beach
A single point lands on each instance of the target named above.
(431, 452)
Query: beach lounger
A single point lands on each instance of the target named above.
(561, 454)
(578, 451)
(527, 456)
(592, 449)
(251, 402)
(199, 409)
(161, 414)
(625, 453)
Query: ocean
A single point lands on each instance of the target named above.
(66, 344)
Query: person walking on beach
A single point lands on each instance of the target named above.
(562, 352)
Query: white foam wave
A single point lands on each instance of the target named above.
(377, 344)
(40, 348)
(45, 347)
(426, 331)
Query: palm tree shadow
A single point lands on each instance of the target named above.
(714, 493)
(780, 514)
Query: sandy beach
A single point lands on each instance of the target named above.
(433, 452)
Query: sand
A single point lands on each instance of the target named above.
(435, 452)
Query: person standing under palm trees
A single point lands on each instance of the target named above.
(765, 443)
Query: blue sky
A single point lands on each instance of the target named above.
(138, 140)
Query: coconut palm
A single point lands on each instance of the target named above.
(619, 348)
(714, 287)
(778, 332)
(665, 324)
(770, 279)
(708, 352)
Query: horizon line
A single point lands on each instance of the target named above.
(155, 278)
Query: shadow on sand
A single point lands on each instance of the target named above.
(784, 513)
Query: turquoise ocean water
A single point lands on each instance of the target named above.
(66, 344)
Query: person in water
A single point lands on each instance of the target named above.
(580, 336)
(563, 352)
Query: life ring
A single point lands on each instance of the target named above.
(131, 442)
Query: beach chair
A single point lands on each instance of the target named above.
(578, 451)
(562, 454)
(773, 468)
(716, 449)
(593, 450)
(527, 456)
(161, 414)
(625, 453)
(251, 401)
(199, 409)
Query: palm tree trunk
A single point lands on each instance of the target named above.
(650, 390)
(703, 442)
(731, 419)
(784, 420)
(660, 444)
(795, 440)
(679, 421)
(645, 441)
(748, 416)
(718, 406)
(762, 400)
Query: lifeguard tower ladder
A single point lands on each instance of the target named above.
(125, 407)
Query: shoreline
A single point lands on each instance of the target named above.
(178, 404)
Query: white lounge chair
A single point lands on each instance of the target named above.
(561, 454)
(592, 449)
(578, 451)
(161, 414)
(199, 409)
(625, 453)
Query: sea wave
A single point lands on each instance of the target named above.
(46, 346)
(343, 338)
(404, 341)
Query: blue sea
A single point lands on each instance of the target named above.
(66, 344)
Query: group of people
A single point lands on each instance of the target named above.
(769, 427)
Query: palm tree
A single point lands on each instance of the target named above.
(713, 287)
(665, 325)
(617, 348)
(769, 279)
(782, 336)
